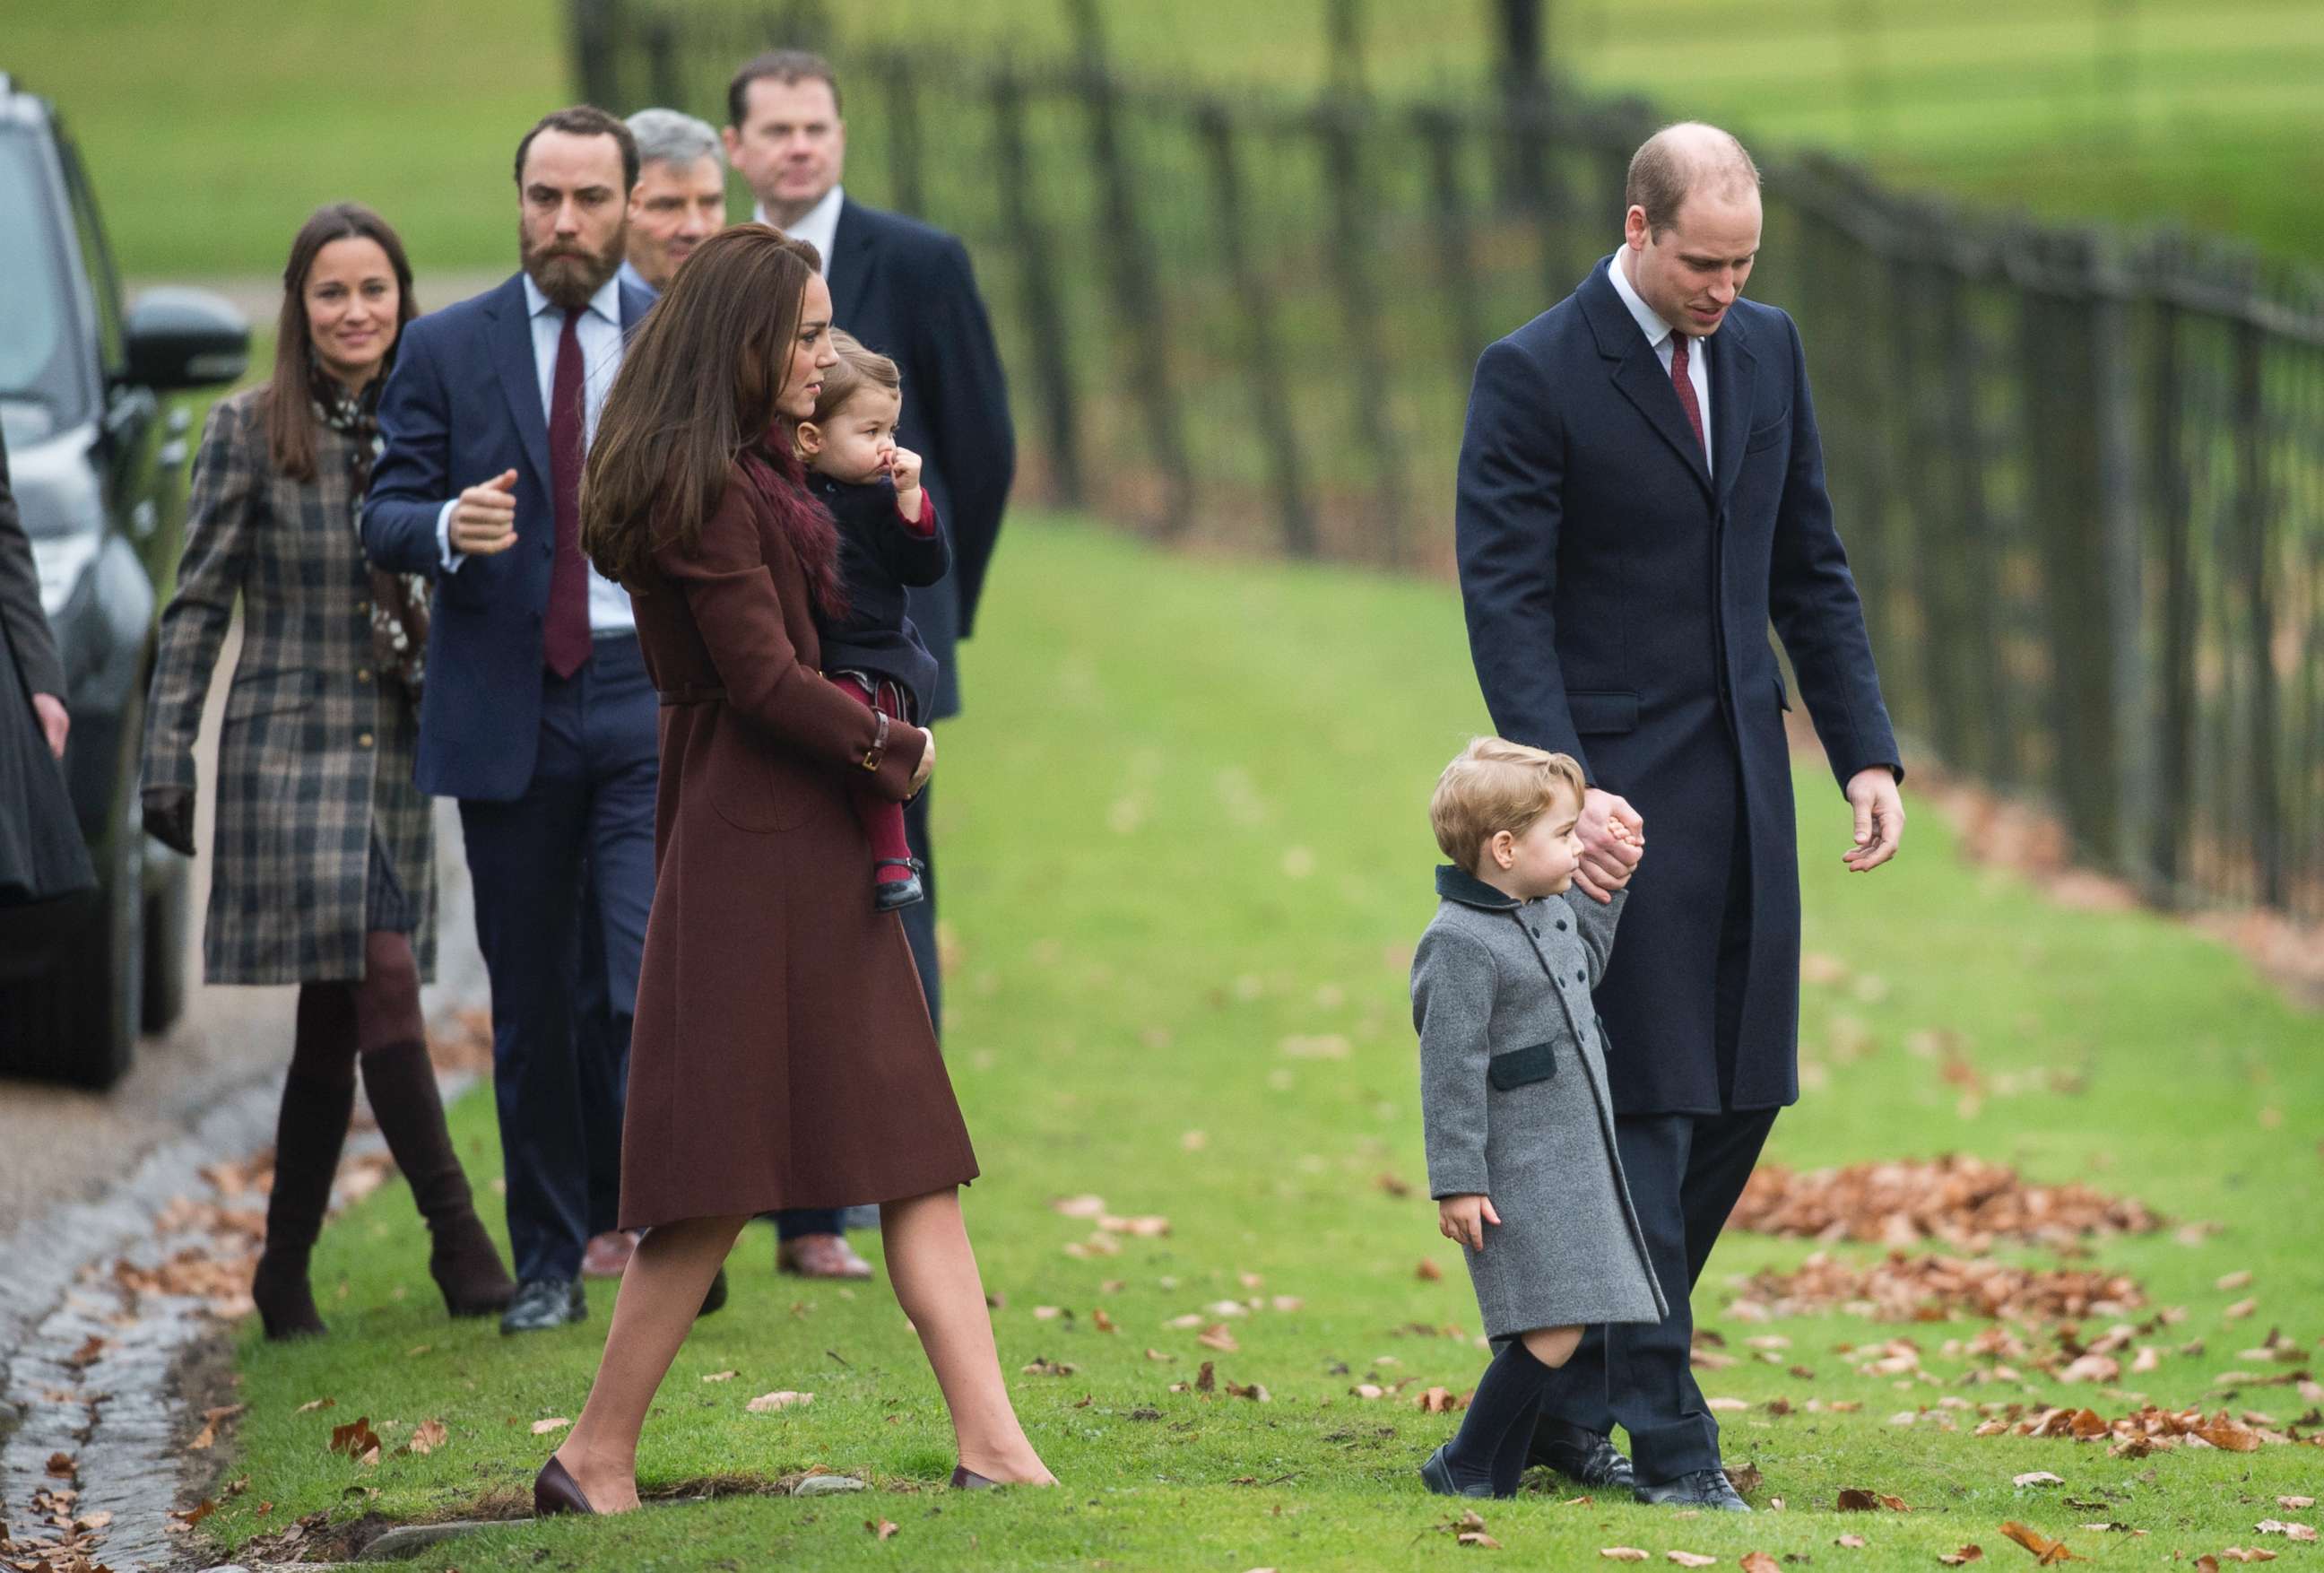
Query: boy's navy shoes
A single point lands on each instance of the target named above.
(1584, 1457)
(1708, 1488)
(1439, 1477)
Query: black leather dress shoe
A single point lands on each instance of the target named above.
(1584, 1457)
(542, 1303)
(715, 1300)
(1439, 1478)
(1705, 1488)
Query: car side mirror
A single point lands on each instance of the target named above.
(185, 338)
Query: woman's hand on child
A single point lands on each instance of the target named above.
(1464, 1217)
(904, 469)
(927, 766)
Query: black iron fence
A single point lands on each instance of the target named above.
(2082, 476)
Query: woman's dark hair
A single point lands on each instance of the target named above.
(697, 386)
(291, 396)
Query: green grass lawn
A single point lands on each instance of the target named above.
(212, 130)
(1186, 853)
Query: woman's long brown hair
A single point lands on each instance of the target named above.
(697, 386)
(290, 395)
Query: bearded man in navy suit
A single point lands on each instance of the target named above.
(1641, 493)
(906, 291)
(538, 715)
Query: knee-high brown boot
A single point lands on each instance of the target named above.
(319, 1097)
(400, 1083)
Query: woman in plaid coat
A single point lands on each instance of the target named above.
(323, 871)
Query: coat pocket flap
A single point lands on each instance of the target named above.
(1520, 1067)
(1605, 710)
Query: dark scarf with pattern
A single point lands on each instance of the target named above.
(398, 602)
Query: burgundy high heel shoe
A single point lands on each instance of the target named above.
(965, 1478)
(554, 1491)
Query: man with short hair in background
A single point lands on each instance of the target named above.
(680, 198)
(906, 291)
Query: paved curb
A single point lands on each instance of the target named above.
(117, 1414)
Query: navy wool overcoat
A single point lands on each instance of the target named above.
(1619, 597)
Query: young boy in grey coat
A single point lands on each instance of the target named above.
(1520, 1129)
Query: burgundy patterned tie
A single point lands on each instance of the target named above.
(565, 644)
(1685, 386)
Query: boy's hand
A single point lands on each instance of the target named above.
(1625, 839)
(1464, 1217)
(1607, 861)
(904, 469)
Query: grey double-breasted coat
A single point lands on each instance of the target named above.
(317, 747)
(1513, 1095)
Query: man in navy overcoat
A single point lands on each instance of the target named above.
(537, 714)
(1641, 493)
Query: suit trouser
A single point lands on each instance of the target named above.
(1685, 1173)
(565, 970)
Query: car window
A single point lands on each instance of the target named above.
(96, 257)
(42, 384)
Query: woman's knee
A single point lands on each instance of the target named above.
(387, 1000)
(1552, 1346)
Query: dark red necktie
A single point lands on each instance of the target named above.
(1685, 386)
(564, 645)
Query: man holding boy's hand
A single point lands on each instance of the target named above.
(1641, 494)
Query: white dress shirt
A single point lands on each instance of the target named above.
(1658, 334)
(818, 225)
(600, 333)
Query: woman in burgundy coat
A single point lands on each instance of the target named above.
(782, 1055)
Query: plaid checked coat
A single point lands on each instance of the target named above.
(317, 749)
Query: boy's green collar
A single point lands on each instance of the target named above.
(1455, 884)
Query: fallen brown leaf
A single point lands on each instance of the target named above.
(1622, 1553)
(1855, 1500)
(1851, 1542)
(542, 1427)
(1206, 1380)
(1962, 1557)
(2046, 1552)
(770, 1402)
(720, 1376)
(1479, 1539)
(1102, 1322)
(1760, 1562)
(1692, 1558)
(2037, 1478)
(1218, 1336)
(2295, 1502)
(429, 1435)
(1428, 1271)
(356, 1438)
(883, 1530)
(317, 1403)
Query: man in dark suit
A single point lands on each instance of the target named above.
(1641, 491)
(906, 291)
(538, 715)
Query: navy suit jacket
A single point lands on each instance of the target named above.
(462, 404)
(1617, 596)
(907, 290)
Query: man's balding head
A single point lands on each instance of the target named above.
(1679, 160)
(1690, 231)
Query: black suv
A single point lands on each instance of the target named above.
(98, 466)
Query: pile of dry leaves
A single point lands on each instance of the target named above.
(2152, 1431)
(1962, 1201)
(1928, 1289)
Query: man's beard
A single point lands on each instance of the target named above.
(571, 275)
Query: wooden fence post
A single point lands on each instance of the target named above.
(2064, 396)
(1975, 590)
(901, 81)
(661, 65)
(596, 34)
(1138, 307)
(1040, 297)
(2170, 494)
(1263, 369)
(1456, 255)
(1351, 252)
(2253, 571)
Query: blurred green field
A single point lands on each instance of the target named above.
(213, 130)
